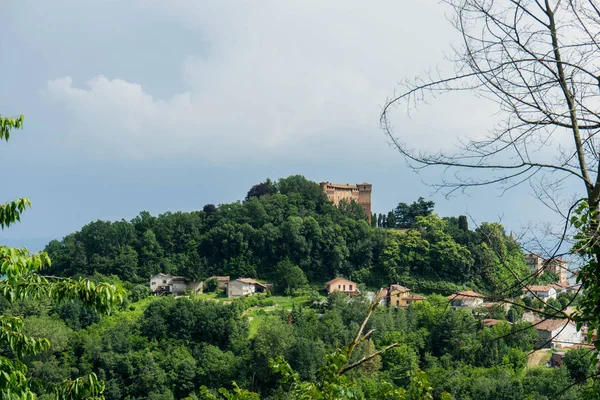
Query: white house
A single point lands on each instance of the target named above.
(164, 284)
(543, 292)
(244, 287)
(557, 333)
(467, 299)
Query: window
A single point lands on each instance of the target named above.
(339, 286)
(165, 281)
(344, 287)
(350, 287)
(153, 283)
(397, 303)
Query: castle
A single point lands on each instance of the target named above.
(360, 193)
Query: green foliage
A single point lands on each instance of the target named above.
(406, 215)
(211, 284)
(21, 282)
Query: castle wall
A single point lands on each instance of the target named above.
(360, 193)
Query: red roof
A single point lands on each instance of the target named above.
(538, 288)
(339, 279)
(551, 324)
(466, 294)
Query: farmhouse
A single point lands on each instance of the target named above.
(557, 333)
(341, 285)
(244, 287)
(164, 284)
(400, 296)
(466, 299)
(543, 292)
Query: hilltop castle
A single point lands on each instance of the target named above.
(360, 193)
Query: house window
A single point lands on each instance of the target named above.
(350, 287)
(165, 281)
(339, 286)
(397, 303)
(153, 283)
(344, 287)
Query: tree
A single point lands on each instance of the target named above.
(537, 60)
(406, 215)
(289, 276)
(262, 189)
(209, 209)
(21, 281)
(391, 220)
(463, 223)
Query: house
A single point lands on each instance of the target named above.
(244, 287)
(341, 285)
(543, 292)
(466, 299)
(557, 333)
(400, 296)
(222, 281)
(164, 284)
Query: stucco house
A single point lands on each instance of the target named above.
(557, 333)
(164, 284)
(466, 299)
(400, 296)
(222, 281)
(543, 292)
(341, 285)
(244, 287)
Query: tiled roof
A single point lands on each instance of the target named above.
(339, 279)
(551, 324)
(467, 294)
(538, 288)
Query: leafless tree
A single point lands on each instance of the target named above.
(539, 61)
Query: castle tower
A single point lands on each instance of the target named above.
(361, 194)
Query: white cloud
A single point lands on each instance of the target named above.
(277, 75)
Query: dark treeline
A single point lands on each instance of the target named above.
(292, 221)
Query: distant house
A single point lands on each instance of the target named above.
(164, 284)
(543, 292)
(557, 333)
(222, 281)
(466, 299)
(341, 285)
(400, 296)
(244, 287)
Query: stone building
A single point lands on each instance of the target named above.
(555, 265)
(360, 193)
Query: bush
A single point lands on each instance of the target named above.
(211, 284)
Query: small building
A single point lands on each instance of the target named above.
(341, 285)
(164, 284)
(557, 333)
(244, 287)
(466, 299)
(543, 292)
(401, 297)
(222, 281)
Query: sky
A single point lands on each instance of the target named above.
(167, 106)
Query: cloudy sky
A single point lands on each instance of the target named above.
(165, 106)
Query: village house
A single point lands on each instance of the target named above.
(222, 281)
(164, 284)
(466, 299)
(341, 285)
(557, 333)
(400, 296)
(542, 292)
(244, 287)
